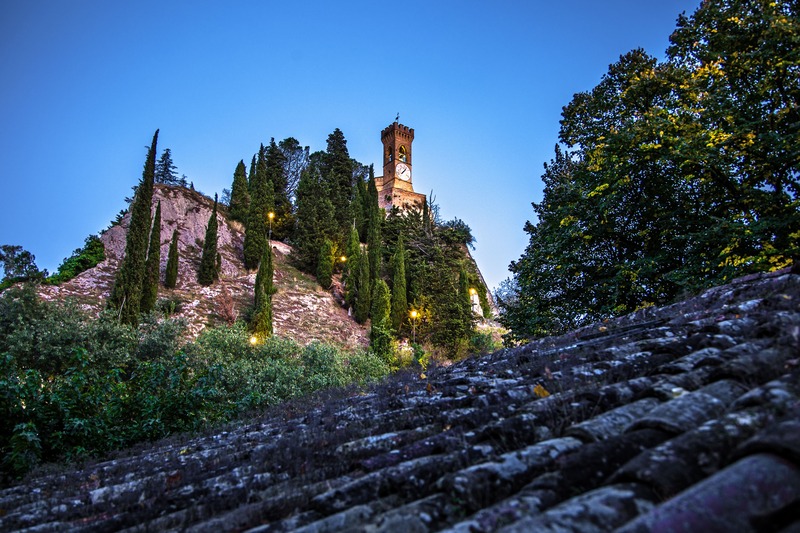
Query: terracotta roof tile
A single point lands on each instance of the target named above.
(684, 417)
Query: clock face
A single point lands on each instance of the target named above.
(403, 172)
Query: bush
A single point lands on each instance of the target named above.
(82, 259)
(72, 386)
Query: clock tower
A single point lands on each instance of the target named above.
(394, 187)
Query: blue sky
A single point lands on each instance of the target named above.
(87, 82)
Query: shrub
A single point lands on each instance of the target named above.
(159, 338)
(81, 260)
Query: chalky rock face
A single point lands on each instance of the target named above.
(303, 311)
(686, 416)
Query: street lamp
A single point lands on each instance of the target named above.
(253, 340)
(270, 216)
(414, 314)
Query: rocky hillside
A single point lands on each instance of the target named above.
(302, 310)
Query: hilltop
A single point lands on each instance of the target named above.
(303, 311)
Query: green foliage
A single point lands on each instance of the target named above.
(374, 230)
(73, 387)
(380, 333)
(171, 275)
(165, 170)
(209, 270)
(677, 175)
(262, 202)
(295, 160)
(315, 219)
(457, 231)
(337, 171)
(18, 266)
(363, 289)
(240, 197)
(127, 291)
(325, 264)
(399, 297)
(283, 221)
(152, 265)
(81, 260)
(25, 449)
(261, 320)
(350, 274)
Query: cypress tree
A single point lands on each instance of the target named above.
(251, 176)
(208, 272)
(350, 274)
(399, 296)
(338, 172)
(380, 334)
(171, 276)
(261, 323)
(363, 300)
(126, 295)
(325, 264)
(360, 208)
(153, 265)
(261, 203)
(240, 197)
(374, 222)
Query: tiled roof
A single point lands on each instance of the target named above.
(681, 418)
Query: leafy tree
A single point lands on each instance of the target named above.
(295, 161)
(240, 197)
(165, 170)
(679, 175)
(209, 268)
(325, 264)
(380, 333)
(127, 291)
(18, 265)
(261, 322)
(261, 203)
(399, 301)
(152, 265)
(171, 275)
(283, 221)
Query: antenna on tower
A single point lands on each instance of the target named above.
(397, 118)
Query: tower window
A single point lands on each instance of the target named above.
(389, 155)
(403, 156)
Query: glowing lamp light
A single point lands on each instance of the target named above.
(253, 340)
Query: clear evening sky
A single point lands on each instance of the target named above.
(85, 83)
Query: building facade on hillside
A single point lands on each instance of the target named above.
(395, 187)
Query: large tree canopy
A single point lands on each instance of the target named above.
(673, 176)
